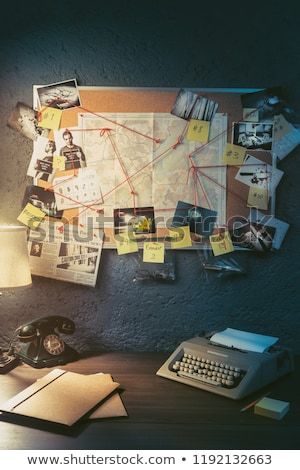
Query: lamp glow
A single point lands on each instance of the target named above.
(14, 262)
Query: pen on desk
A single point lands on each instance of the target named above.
(254, 402)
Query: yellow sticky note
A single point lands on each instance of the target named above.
(59, 162)
(198, 130)
(258, 197)
(221, 243)
(234, 154)
(31, 216)
(125, 244)
(49, 118)
(250, 114)
(181, 237)
(154, 252)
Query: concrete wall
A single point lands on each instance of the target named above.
(167, 43)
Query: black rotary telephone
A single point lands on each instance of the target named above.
(43, 346)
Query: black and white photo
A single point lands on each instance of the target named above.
(190, 105)
(25, 120)
(61, 95)
(258, 174)
(36, 249)
(42, 199)
(67, 142)
(269, 102)
(253, 135)
(80, 258)
(253, 236)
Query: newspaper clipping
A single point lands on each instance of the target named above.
(65, 253)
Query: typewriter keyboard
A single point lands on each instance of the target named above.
(207, 371)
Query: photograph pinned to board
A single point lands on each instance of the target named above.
(139, 220)
(60, 95)
(256, 173)
(269, 103)
(253, 135)
(189, 105)
(43, 200)
(280, 226)
(200, 220)
(41, 163)
(253, 236)
(24, 119)
(68, 143)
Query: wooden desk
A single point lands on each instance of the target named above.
(162, 414)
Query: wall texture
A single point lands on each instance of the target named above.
(166, 43)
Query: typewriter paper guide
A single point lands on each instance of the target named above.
(243, 340)
(61, 397)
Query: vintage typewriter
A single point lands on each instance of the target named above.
(227, 371)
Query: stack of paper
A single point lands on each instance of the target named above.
(64, 397)
(271, 408)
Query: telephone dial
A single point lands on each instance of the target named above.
(40, 344)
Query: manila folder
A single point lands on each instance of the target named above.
(60, 396)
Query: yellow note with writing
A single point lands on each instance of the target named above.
(126, 244)
(181, 237)
(49, 118)
(198, 131)
(221, 243)
(234, 154)
(250, 114)
(258, 197)
(59, 162)
(31, 216)
(154, 252)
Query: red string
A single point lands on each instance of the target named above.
(199, 149)
(133, 175)
(181, 137)
(203, 190)
(114, 146)
(157, 141)
(194, 168)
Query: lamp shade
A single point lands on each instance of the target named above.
(14, 262)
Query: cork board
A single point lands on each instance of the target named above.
(120, 100)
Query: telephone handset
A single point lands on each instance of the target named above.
(43, 347)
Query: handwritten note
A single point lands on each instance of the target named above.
(234, 154)
(198, 131)
(181, 237)
(221, 243)
(59, 162)
(281, 127)
(125, 244)
(31, 216)
(49, 118)
(258, 197)
(250, 114)
(73, 192)
(154, 252)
